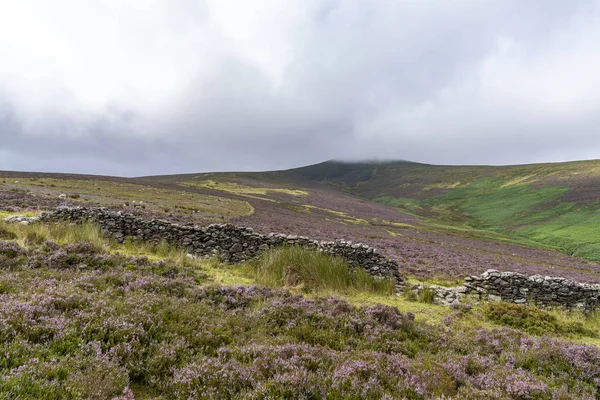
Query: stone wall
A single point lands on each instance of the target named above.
(536, 290)
(234, 244)
(517, 288)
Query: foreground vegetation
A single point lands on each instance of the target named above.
(81, 317)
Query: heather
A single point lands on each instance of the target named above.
(534, 320)
(78, 320)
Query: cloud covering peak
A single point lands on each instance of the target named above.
(162, 86)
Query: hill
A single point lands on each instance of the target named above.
(553, 204)
(436, 221)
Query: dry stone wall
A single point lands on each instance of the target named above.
(234, 244)
(537, 290)
(494, 285)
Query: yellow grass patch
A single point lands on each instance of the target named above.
(519, 180)
(243, 190)
(445, 185)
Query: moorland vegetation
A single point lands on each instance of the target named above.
(82, 316)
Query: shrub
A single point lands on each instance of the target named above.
(7, 235)
(11, 254)
(533, 320)
(410, 294)
(422, 295)
(34, 238)
(91, 324)
(427, 295)
(528, 318)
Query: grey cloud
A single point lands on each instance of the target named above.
(458, 82)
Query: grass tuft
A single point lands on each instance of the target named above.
(312, 271)
(35, 234)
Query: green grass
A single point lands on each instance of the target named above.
(311, 271)
(527, 214)
(6, 214)
(489, 204)
(38, 233)
(541, 322)
(515, 212)
(405, 205)
(574, 233)
(398, 201)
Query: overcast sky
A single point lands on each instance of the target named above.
(129, 88)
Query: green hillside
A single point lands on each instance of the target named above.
(553, 204)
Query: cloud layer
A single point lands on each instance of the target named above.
(163, 86)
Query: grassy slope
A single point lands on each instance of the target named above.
(551, 204)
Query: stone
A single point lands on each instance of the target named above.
(493, 297)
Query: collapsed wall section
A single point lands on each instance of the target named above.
(536, 290)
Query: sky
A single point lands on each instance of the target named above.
(129, 88)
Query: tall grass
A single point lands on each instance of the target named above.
(60, 233)
(63, 233)
(312, 271)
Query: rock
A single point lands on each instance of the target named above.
(236, 248)
(461, 289)
(493, 297)
(537, 289)
(21, 219)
